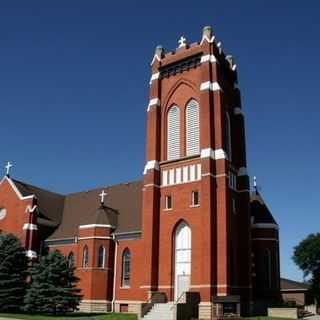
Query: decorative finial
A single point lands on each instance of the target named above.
(207, 32)
(231, 62)
(158, 54)
(207, 35)
(102, 195)
(182, 42)
(8, 167)
(159, 51)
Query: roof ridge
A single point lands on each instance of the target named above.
(28, 185)
(104, 187)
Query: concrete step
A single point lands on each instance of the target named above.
(161, 311)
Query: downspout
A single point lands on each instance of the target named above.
(114, 272)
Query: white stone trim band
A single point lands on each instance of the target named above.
(154, 76)
(90, 226)
(213, 154)
(206, 38)
(242, 172)
(30, 226)
(265, 226)
(208, 57)
(152, 164)
(95, 237)
(153, 102)
(212, 86)
(265, 239)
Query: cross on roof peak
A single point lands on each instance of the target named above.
(8, 167)
(102, 195)
(182, 42)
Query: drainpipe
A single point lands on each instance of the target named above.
(114, 272)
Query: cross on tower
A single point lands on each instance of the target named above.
(102, 195)
(8, 167)
(182, 42)
(255, 182)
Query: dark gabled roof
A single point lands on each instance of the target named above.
(259, 210)
(50, 204)
(123, 203)
(287, 284)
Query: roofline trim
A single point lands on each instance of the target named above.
(16, 190)
(125, 233)
(58, 239)
(265, 226)
(90, 226)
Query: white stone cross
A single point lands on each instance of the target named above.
(255, 182)
(182, 42)
(8, 167)
(102, 195)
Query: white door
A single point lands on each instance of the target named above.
(182, 259)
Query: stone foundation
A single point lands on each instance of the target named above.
(205, 310)
(95, 306)
(128, 307)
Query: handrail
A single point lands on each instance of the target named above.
(145, 308)
(177, 300)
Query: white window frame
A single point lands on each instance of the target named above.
(166, 202)
(193, 204)
(173, 133)
(192, 128)
(103, 256)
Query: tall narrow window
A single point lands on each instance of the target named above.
(71, 260)
(192, 128)
(228, 142)
(101, 257)
(168, 202)
(174, 133)
(85, 257)
(267, 263)
(195, 199)
(126, 268)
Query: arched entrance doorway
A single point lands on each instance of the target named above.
(182, 259)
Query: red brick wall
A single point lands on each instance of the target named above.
(17, 215)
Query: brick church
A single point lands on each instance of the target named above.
(190, 239)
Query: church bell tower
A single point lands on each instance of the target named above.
(196, 221)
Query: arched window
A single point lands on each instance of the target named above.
(71, 259)
(182, 259)
(228, 137)
(174, 133)
(101, 257)
(126, 268)
(85, 257)
(267, 265)
(192, 128)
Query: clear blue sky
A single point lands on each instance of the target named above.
(74, 90)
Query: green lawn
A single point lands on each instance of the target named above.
(72, 316)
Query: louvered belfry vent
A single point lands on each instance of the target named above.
(174, 133)
(193, 128)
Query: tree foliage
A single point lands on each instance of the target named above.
(13, 273)
(53, 286)
(307, 257)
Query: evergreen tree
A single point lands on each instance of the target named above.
(13, 273)
(53, 286)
